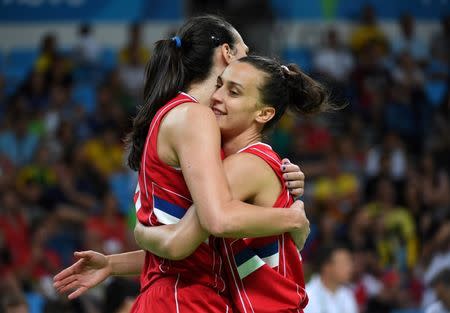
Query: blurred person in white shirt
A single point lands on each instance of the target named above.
(441, 286)
(327, 291)
(87, 49)
(333, 60)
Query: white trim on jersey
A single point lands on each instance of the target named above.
(250, 266)
(138, 204)
(165, 218)
(255, 144)
(272, 260)
(269, 156)
(162, 112)
(176, 294)
(189, 96)
(234, 276)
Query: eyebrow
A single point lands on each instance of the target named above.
(230, 82)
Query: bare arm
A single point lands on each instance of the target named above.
(175, 241)
(196, 140)
(92, 268)
(247, 176)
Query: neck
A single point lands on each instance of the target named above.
(329, 283)
(203, 90)
(236, 143)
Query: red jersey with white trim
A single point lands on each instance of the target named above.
(162, 197)
(265, 274)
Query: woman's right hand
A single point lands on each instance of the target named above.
(300, 234)
(91, 269)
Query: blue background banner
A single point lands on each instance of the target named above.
(126, 10)
(88, 10)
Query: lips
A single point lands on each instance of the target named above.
(218, 112)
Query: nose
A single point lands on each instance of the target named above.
(217, 96)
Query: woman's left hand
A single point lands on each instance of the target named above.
(294, 177)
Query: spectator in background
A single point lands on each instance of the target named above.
(408, 41)
(371, 81)
(368, 31)
(327, 291)
(14, 303)
(18, 143)
(106, 232)
(435, 258)
(35, 91)
(132, 74)
(59, 72)
(15, 234)
(388, 159)
(105, 152)
(87, 49)
(440, 42)
(48, 51)
(134, 51)
(337, 191)
(441, 286)
(394, 229)
(401, 116)
(408, 72)
(332, 60)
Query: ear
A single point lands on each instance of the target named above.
(265, 114)
(228, 54)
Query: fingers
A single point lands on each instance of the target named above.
(285, 161)
(71, 270)
(61, 284)
(77, 293)
(297, 192)
(84, 254)
(73, 285)
(298, 204)
(294, 175)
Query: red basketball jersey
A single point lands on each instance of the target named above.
(265, 274)
(162, 197)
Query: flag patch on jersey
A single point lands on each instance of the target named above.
(269, 254)
(249, 260)
(168, 206)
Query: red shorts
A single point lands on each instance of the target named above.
(170, 294)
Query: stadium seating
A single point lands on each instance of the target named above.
(84, 95)
(435, 91)
(109, 58)
(301, 56)
(22, 57)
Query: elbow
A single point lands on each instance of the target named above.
(173, 253)
(219, 226)
(164, 248)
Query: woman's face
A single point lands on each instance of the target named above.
(236, 100)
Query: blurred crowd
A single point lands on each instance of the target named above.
(377, 170)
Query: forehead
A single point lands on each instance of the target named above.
(244, 74)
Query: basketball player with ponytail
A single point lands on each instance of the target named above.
(175, 145)
(264, 274)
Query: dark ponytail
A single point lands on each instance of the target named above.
(176, 64)
(288, 87)
(306, 96)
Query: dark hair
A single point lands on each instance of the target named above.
(288, 87)
(326, 253)
(172, 69)
(443, 277)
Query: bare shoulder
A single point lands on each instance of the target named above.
(248, 166)
(190, 118)
(189, 112)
